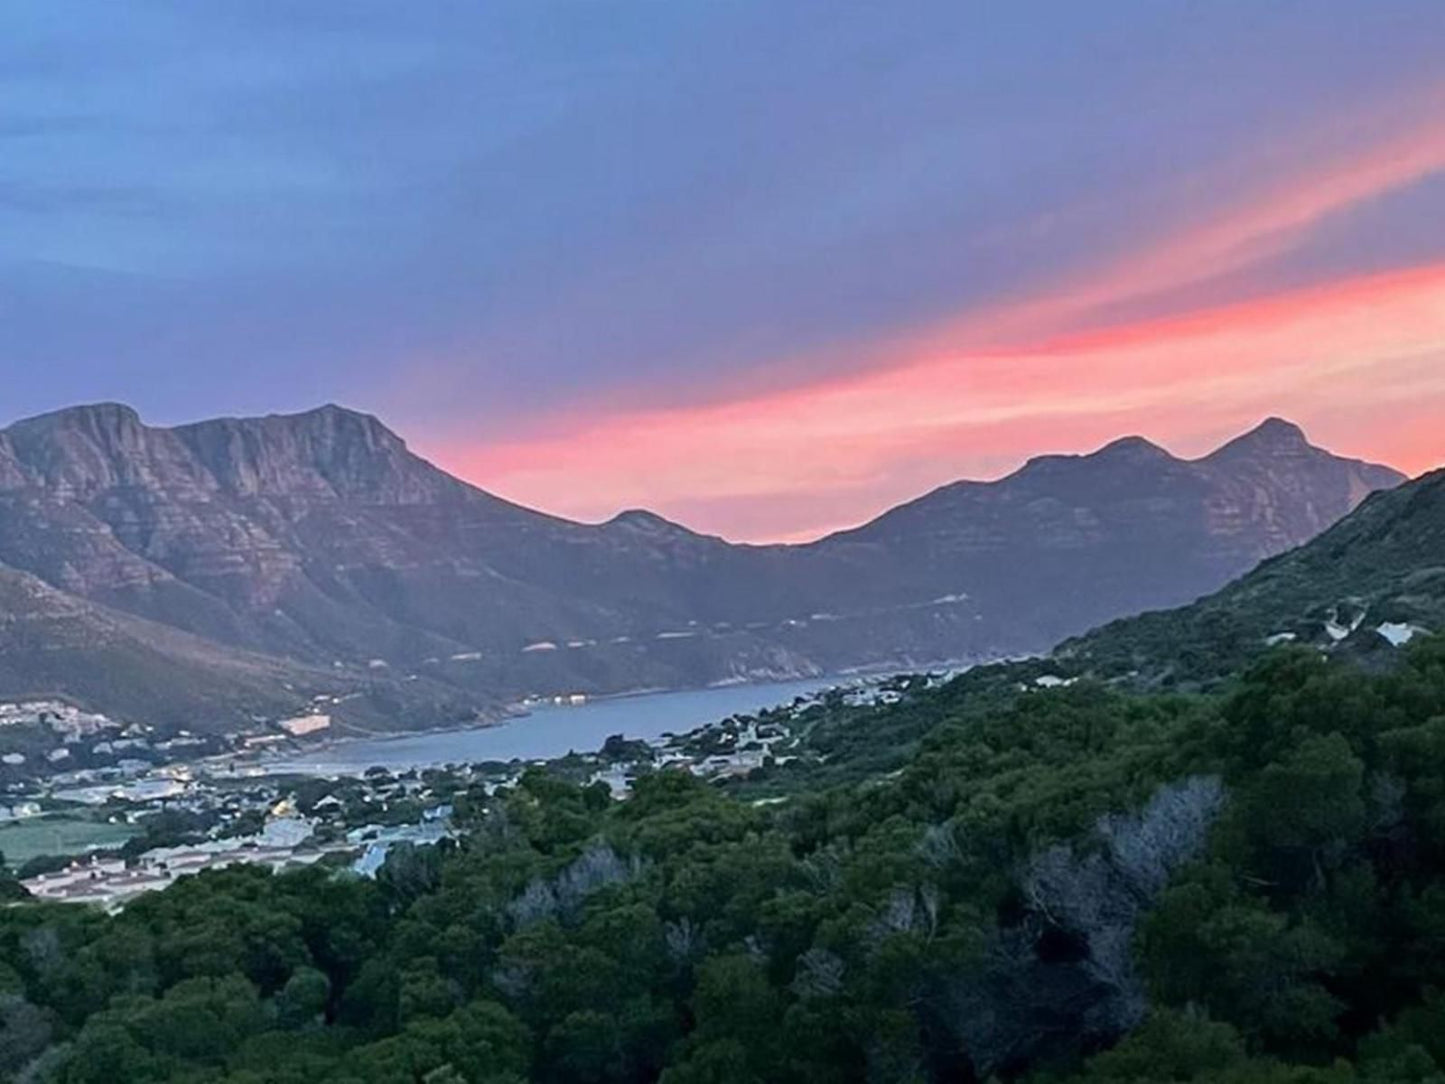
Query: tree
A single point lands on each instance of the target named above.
(302, 1001)
(1169, 1046)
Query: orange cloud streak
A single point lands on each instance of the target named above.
(878, 437)
(1014, 380)
(1262, 226)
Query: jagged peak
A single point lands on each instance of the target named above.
(1271, 436)
(80, 450)
(642, 519)
(331, 413)
(1128, 449)
(1131, 446)
(327, 416)
(110, 417)
(96, 432)
(101, 415)
(333, 447)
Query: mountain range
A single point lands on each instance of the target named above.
(233, 570)
(1367, 586)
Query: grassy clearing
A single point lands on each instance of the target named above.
(25, 840)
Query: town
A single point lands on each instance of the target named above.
(146, 810)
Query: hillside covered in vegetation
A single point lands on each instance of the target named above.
(1374, 578)
(1065, 883)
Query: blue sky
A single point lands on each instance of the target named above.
(498, 223)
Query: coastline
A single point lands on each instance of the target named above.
(334, 746)
(523, 709)
(553, 731)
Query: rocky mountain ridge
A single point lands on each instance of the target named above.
(279, 558)
(1367, 586)
(1070, 541)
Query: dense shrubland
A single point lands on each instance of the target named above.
(1075, 883)
(1379, 565)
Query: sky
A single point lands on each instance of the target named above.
(764, 266)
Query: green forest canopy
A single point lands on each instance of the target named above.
(1078, 883)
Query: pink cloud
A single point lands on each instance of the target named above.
(1319, 184)
(874, 438)
(975, 395)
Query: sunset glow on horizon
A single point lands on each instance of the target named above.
(1360, 361)
(764, 269)
(1361, 365)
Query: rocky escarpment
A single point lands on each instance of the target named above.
(1069, 542)
(1368, 586)
(319, 541)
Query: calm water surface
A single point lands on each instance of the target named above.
(552, 731)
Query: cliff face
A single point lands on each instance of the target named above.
(1276, 491)
(1069, 542)
(1366, 586)
(320, 543)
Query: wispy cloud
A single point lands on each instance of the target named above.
(978, 392)
(881, 436)
(1391, 152)
(769, 266)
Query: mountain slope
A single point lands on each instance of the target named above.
(1372, 581)
(1068, 542)
(319, 543)
(54, 643)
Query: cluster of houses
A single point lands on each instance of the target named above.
(287, 842)
(65, 719)
(351, 823)
(354, 833)
(55, 739)
(46, 738)
(728, 749)
(110, 882)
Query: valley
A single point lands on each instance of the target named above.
(227, 576)
(999, 870)
(722, 542)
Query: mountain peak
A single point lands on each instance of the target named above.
(1124, 450)
(321, 431)
(80, 449)
(1274, 435)
(1132, 446)
(329, 448)
(332, 413)
(640, 519)
(328, 418)
(99, 417)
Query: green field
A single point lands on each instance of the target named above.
(25, 840)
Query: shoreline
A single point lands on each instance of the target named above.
(272, 759)
(262, 761)
(520, 709)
